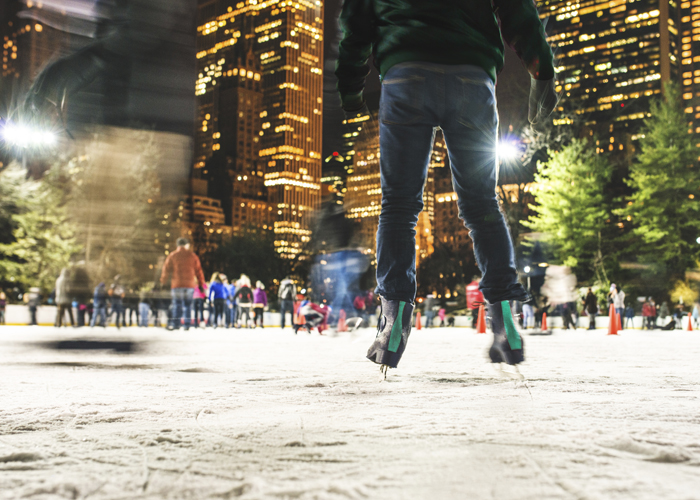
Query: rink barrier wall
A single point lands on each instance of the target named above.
(17, 314)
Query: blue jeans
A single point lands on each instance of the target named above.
(286, 305)
(182, 305)
(198, 311)
(101, 311)
(417, 98)
(117, 308)
(144, 310)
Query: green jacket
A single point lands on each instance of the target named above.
(437, 31)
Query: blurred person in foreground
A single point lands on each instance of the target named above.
(128, 90)
(186, 270)
(438, 61)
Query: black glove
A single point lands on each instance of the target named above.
(543, 100)
(352, 103)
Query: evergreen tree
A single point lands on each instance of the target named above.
(43, 238)
(664, 206)
(572, 208)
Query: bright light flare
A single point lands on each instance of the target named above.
(508, 151)
(22, 136)
(526, 269)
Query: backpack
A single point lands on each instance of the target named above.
(287, 292)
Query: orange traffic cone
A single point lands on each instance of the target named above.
(690, 323)
(544, 322)
(342, 327)
(619, 322)
(418, 327)
(612, 324)
(481, 320)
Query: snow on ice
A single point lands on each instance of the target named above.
(267, 414)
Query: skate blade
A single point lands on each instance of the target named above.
(510, 371)
(382, 372)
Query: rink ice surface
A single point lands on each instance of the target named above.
(266, 414)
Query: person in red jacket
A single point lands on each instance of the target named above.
(187, 274)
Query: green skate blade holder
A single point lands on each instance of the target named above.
(513, 336)
(396, 330)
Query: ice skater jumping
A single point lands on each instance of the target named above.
(438, 61)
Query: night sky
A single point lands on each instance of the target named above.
(512, 89)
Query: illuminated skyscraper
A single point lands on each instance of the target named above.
(690, 61)
(611, 57)
(363, 198)
(27, 45)
(260, 91)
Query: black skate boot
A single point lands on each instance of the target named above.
(392, 334)
(508, 346)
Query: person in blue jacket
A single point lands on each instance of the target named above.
(230, 303)
(218, 295)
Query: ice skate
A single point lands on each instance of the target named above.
(508, 346)
(392, 333)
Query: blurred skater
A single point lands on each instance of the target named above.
(186, 270)
(33, 300)
(217, 297)
(3, 305)
(286, 294)
(116, 294)
(590, 305)
(244, 301)
(315, 316)
(475, 299)
(441, 317)
(63, 299)
(199, 303)
(259, 303)
(99, 306)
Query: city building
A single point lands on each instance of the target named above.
(260, 96)
(27, 44)
(338, 165)
(690, 61)
(363, 198)
(199, 208)
(611, 59)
